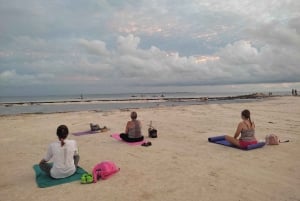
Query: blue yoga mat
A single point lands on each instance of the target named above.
(221, 140)
(43, 180)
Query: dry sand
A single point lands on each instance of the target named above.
(180, 164)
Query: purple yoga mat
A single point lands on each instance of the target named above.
(85, 133)
(117, 137)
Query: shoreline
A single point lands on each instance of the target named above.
(142, 99)
(66, 106)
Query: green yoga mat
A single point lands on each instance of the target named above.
(44, 181)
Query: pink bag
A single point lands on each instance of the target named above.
(272, 139)
(104, 170)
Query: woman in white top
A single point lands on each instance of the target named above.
(64, 155)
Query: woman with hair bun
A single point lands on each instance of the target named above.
(246, 129)
(64, 154)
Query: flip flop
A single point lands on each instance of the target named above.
(83, 178)
(89, 178)
(146, 144)
(86, 178)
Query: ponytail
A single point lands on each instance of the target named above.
(62, 143)
(250, 121)
(62, 133)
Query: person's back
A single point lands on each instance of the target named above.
(134, 129)
(248, 132)
(247, 135)
(63, 161)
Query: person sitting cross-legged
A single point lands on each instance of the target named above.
(246, 129)
(133, 131)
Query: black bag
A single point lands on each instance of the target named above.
(152, 132)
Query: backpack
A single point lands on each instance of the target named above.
(104, 170)
(152, 132)
(272, 139)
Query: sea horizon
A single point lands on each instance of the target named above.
(14, 105)
(124, 96)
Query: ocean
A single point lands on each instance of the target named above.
(106, 102)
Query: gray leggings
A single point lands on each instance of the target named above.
(46, 167)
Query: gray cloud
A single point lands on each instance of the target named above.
(113, 44)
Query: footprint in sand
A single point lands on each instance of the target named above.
(213, 174)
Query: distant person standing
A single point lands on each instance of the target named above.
(293, 92)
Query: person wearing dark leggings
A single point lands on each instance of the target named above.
(133, 131)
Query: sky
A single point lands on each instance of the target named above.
(114, 46)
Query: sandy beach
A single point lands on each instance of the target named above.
(180, 164)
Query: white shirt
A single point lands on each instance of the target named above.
(62, 156)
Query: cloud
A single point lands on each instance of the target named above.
(123, 44)
(96, 47)
(11, 78)
(240, 62)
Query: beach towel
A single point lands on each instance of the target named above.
(221, 140)
(117, 137)
(43, 180)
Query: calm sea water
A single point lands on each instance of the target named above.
(35, 104)
(121, 96)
